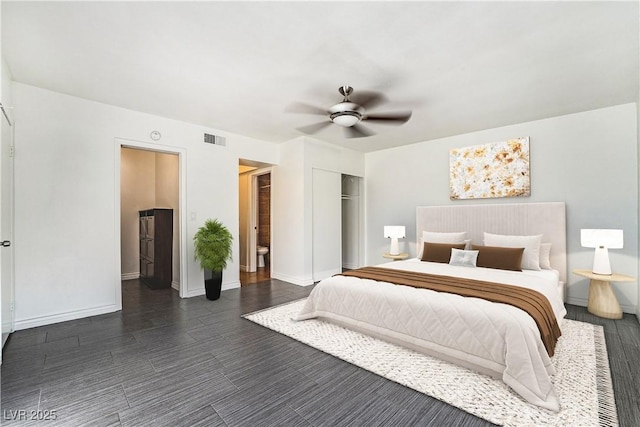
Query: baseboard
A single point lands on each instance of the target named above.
(5, 337)
(194, 293)
(325, 274)
(130, 276)
(295, 280)
(230, 285)
(198, 292)
(628, 308)
(63, 317)
(244, 268)
(175, 285)
(350, 266)
(582, 302)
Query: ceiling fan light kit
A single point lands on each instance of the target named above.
(349, 114)
(346, 114)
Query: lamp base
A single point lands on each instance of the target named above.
(601, 263)
(394, 247)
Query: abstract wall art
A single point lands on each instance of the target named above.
(497, 169)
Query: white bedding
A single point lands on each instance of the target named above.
(495, 339)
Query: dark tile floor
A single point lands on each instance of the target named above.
(168, 361)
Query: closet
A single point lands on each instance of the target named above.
(336, 223)
(351, 222)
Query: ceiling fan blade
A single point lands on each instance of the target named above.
(316, 127)
(358, 131)
(300, 107)
(393, 118)
(368, 99)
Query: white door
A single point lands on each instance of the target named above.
(6, 226)
(327, 224)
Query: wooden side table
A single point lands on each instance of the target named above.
(602, 300)
(396, 257)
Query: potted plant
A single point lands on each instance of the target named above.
(212, 244)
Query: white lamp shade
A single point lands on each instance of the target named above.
(391, 231)
(394, 232)
(607, 238)
(602, 240)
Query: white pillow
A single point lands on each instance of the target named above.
(545, 256)
(438, 237)
(531, 245)
(463, 258)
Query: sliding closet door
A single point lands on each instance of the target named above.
(327, 224)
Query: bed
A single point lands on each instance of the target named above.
(493, 338)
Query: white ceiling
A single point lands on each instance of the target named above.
(236, 66)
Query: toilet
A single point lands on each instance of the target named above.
(262, 251)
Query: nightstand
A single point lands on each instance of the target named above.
(602, 300)
(396, 257)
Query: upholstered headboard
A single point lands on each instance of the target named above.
(547, 219)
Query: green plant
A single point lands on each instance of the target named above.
(212, 244)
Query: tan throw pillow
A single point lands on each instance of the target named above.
(439, 252)
(499, 258)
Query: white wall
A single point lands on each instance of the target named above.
(588, 160)
(291, 193)
(288, 261)
(67, 230)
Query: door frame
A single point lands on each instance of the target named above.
(182, 207)
(254, 207)
(7, 150)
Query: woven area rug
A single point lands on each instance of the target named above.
(582, 380)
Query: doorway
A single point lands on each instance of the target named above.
(352, 222)
(255, 222)
(150, 177)
(337, 223)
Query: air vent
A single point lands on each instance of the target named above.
(215, 139)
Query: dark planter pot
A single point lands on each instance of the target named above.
(212, 284)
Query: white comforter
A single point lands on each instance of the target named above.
(496, 339)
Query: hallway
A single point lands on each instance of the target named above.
(261, 275)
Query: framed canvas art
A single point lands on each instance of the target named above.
(497, 169)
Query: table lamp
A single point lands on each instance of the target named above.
(602, 240)
(394, 232)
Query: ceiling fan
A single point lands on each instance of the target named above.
(350, 113)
